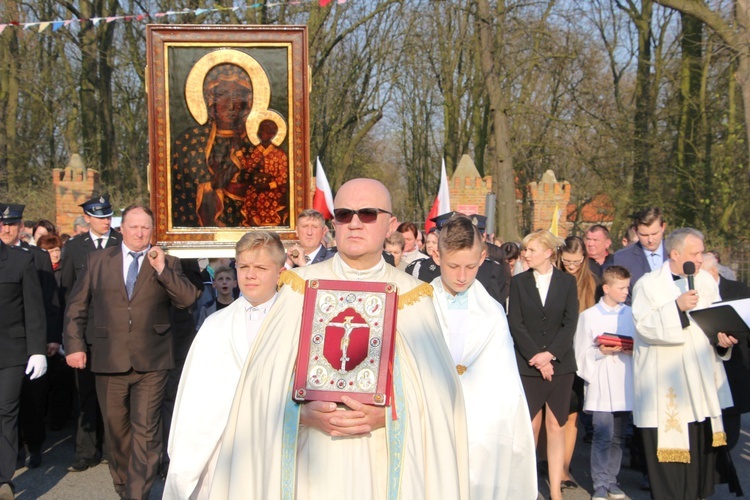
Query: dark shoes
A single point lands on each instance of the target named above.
(82, 464)
(568, 484)
(35, 459)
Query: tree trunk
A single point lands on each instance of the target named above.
(502, 170)
(736, 36)
(643, 107)
(688, 130)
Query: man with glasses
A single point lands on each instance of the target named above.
(416, 448)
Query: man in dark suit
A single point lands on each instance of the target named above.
(90, 431)
(34, 393)
(648, 253)
(22, 346)
(493, 275)
(738, 365)
(130, 289)
(311, 228)
(598, 244)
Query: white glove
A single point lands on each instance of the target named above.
(37, 366)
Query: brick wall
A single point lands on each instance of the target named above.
(546, 196)
(74, 184)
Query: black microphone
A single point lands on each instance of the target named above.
(689, 269)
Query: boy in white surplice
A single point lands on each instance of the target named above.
(501, 443)
(608, 373)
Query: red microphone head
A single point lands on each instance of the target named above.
(688, 268)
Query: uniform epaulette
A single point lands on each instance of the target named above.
(292, 280)
(414, 295)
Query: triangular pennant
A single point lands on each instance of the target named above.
(95, 20)
(2, 28)
(27, 26)
(323, 3)
(57, 25)
(67, 23)
(111, 18)
(198, 12)
(43, 26)
(160, 14)
(141, 17)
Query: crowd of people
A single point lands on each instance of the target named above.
(183, 368)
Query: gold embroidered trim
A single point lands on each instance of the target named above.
(461, 369)
(673, 422)
(413, 296)
(720, 439)
(292, 280)
(673, 455)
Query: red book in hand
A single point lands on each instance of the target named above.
(614, 340)
(347, 342)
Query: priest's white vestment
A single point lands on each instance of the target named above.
(204, 399)
(422, 453)
(502, 458)
(679, 378)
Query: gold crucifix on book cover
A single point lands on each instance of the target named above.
(346, 342)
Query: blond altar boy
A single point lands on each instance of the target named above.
(214, 365)
(608, 375)
(501, 443)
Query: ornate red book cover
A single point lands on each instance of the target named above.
(346, 342)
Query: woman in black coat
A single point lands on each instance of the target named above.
(543, 315)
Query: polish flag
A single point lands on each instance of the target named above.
(322, 199)
(442, 202)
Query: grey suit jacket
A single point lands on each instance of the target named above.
(127, 334)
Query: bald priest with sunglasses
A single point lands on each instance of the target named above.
(275, 448)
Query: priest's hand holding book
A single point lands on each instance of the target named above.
(724, 340)
(358, 419)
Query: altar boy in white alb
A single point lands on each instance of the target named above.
(608, 373)
(214, 365)
(501, 443)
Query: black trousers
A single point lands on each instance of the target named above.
(11, 380)
(680, 481)
(90, 431)
(61, 391)
(33, 412)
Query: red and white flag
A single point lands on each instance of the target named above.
(442, 202)
(322, 199)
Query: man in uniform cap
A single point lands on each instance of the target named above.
(22, 342)
(34, 394)
(493, 274)
(90, 433)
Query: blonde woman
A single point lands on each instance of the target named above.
(543, 314)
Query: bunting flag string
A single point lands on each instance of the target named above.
(41, 26)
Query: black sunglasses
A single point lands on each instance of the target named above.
(366, 215)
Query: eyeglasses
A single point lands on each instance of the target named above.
(366, 215)
(572, 262)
